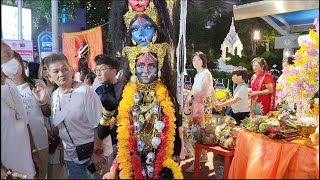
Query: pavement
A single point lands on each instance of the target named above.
(206, 168)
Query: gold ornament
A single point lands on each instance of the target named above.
(148, 114)
(148, 88)
(141, 118)
(107, 113)
(150, 11)
(111, 122)
(154, 37)
(161, 50)
(133, 41)
(133, 78)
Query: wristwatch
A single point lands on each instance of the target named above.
(97, 151)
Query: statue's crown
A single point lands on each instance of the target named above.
(161, 50)
(150, 11)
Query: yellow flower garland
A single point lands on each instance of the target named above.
(123, 123)
(176, 170)
(220, 94)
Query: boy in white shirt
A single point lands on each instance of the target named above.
(239, 104)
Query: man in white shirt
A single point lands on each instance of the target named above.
(15, 143)
(76, 110)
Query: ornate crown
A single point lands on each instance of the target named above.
(150, 11)
(161, 50)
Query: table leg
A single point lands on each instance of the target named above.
(227, 163)
(196, 172)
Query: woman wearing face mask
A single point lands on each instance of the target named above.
(36, 102)
(16, 144)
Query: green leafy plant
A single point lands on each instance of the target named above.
(257, 108)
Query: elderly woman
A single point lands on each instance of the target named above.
(262, 89)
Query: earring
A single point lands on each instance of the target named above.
(133, 79)
(159, 74)
(133, 41)
(154, 37)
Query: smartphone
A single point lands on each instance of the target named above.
(91, 168)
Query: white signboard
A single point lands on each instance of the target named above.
(282, 42)
(23, 47)
(9, 23)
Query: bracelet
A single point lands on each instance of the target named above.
(43, 103)
(111, 122)
(258, 93)
(104, 122)
(106, 117)
(107, 113)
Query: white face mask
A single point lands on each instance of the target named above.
(10, 68)
(27, 72)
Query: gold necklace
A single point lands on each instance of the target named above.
(13, 107)
(146, 87)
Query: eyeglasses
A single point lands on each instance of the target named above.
(101, 70)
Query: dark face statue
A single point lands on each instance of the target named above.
(146, 68)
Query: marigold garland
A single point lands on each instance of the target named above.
(176, 170)
(124, 158)
(165, 149)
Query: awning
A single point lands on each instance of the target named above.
(286, 16)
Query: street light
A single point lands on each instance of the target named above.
(256, 37)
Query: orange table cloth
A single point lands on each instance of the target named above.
(259, 157)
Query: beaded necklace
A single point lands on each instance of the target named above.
(13, 107)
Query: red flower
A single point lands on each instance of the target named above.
(133, 145)
(131, 127)
(136, 166)
(165, 119)
(132, 138)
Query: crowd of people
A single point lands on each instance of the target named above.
(122, 115)
(52, 116)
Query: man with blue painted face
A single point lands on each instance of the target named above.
(143, 30)
(146, 68)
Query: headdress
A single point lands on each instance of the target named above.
(150, 11)
(161, 50)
